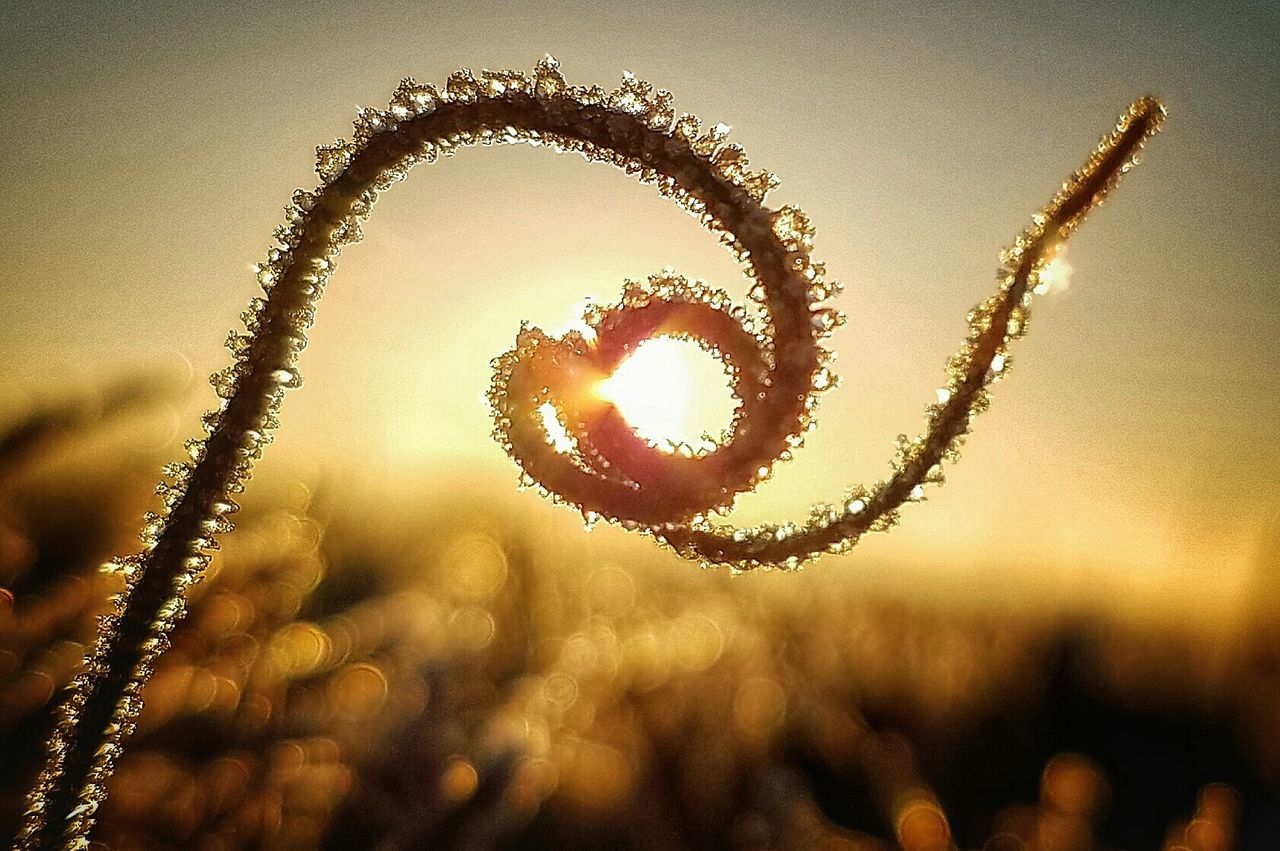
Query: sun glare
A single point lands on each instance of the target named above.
(671, 392)
(557, 434)
(1055, 277)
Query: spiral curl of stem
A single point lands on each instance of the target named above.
(778, 368)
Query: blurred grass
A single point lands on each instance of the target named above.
(456, 667)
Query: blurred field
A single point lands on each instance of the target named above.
(458, 666)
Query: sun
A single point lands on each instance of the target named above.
(671, 392)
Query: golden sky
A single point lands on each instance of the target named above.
(146, 151)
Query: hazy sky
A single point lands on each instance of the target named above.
(148, 148)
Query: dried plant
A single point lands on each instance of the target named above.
(450, 673)
(777, 370)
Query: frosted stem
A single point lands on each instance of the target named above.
(609, 471)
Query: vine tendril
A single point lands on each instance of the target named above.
(777, 371)
(776, 359)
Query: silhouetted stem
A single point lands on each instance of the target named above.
(611, 472)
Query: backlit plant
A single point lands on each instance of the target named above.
(773, 352)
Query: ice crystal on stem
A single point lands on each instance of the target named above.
(599, 465)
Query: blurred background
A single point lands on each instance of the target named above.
(1074, 643)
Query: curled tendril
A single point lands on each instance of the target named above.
(608, 470)
(777, 369)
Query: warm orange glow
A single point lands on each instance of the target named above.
(395, 382)
(1056, 275)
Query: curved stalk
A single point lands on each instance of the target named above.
(778, 371)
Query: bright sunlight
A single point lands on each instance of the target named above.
(672, 392)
